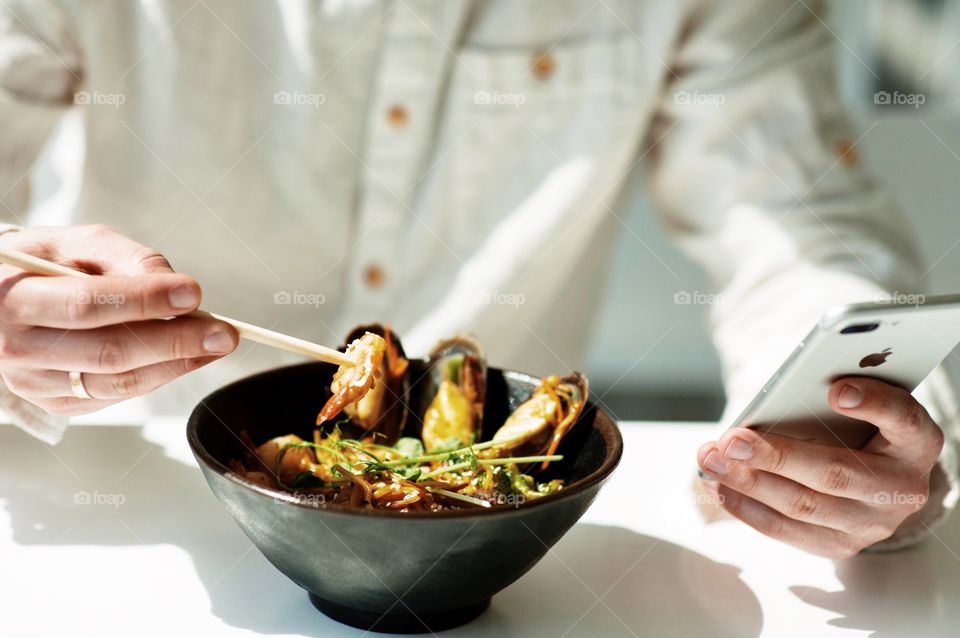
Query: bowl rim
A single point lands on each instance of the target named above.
(610, 433)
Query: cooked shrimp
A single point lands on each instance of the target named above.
(352, 383)
(287, 460)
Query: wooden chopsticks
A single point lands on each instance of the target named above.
(248, 331)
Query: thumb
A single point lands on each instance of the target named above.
(101, 250)
(906, 429)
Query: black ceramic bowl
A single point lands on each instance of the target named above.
(383, 570)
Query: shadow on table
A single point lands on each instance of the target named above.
(67, 496)
(610, 581)
(908, 593)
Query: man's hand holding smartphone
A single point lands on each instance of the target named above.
(830, 500)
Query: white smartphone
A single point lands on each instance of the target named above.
(900, 342)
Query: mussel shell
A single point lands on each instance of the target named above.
(436, 361)
(540, 439)
(461, 344)
(579, 401)
(579, 380)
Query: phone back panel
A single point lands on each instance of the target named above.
(907, 344)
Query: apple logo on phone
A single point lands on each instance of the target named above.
(875, 359)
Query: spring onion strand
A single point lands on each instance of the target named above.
(459, 497)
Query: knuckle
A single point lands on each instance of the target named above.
(919, 492)
(178, 368)
(79, 308)
(141, 300)
(149, 259)
(845, 550)
(747, 481)
(879, 402)
(185, 366)
(836, 477)
(111, 354)
(881, 530)
(188, 365)
(776, 458)
(53, 409)
(10, 348)
(912, 416)
(17, 383)
(10, 313)
(770, 525)
(128, 384)
(937, 440)
(76, 407)
(835, 553)
(57, 407)
(179, 345)
(803, 505)
(100, 229)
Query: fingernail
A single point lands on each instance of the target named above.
(218, 342)
(715, 463)
(183, 297)
(739, 449)
(850, 396)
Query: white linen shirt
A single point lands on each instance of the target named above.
(433, 163)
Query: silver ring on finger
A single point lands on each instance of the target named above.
(76, 385)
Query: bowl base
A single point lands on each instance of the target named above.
(400, 623)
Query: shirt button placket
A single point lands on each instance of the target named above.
(402, 104)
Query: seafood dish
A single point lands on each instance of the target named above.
(383, 440)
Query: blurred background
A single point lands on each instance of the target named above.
(887, 49)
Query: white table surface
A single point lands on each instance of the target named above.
(154, 554)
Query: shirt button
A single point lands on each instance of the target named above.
(543, 66)
(846, 152)
(373, 276)
(397, 116)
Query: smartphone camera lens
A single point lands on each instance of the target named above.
(859, 327)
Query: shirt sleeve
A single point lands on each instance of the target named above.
(39, 74)
(755, 173)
